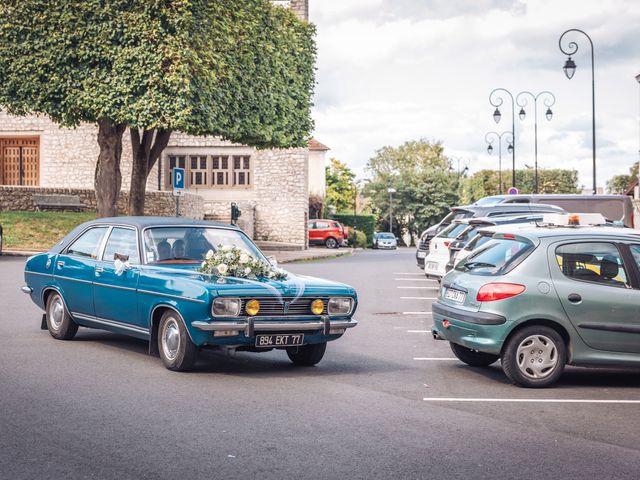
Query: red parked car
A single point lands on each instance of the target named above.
(327, 232)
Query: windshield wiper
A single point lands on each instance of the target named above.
(472, 265)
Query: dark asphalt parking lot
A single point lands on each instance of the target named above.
(100, 407)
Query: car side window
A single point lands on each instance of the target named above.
(311, 225)
(635, 251)
(122, 241)
(88, 244)
(322, 225)
(592, 262)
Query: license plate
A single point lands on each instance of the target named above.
(432, 265)
(422, 254)
(455, 295)
(284, 340)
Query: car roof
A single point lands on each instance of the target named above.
(507, 207)
(546, 231)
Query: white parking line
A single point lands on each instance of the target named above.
(418, 331)
(418, 298)
(414, 280)
(421, 288)
(412, 274)
(527, 400)
(416, 313)
(435, 359)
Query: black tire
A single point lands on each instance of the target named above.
(538, 346)
(177, 351)
(331, 243)
(307, 355)
(59, 323)
(473, 357)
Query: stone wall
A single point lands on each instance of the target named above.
(636, 213)
(15, 198)
(221, 212)
(300, 8)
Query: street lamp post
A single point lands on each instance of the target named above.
(549, 101)
(569, 70)
(391, 192)
(497, 100)
(489, 140)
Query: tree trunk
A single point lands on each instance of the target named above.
(108, 179)
(146, 151)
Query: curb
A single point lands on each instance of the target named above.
(18, 253)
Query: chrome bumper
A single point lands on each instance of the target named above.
(252, 325)
(26, 289)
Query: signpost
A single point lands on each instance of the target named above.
(512, 191)
(178, 186)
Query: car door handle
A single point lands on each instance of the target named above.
(60, 263)
(574, 298)
(99, 270)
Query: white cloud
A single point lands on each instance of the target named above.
(391, 71)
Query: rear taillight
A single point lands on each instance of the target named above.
(499, 291)
(446, 244)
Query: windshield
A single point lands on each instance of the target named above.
(494, 256)
(453, 230)
(191, 244)
(387, 236)
(477, 241)
(490, 200)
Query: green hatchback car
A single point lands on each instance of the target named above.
(542, 297)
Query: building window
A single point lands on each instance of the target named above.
(212, 171)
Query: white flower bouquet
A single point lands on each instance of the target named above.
(231, 261)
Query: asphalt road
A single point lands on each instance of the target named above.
(100, 407)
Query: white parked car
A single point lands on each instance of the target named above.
(436, 262)
(385, 240)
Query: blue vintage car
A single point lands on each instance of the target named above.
(139, 276)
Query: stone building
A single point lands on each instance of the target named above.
(271, 187)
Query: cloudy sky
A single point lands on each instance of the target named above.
(397, 70)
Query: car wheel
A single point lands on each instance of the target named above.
(59, 322)
(307, 355)
(473, 357)
(177, 351)
(534, 357)
(331, 242)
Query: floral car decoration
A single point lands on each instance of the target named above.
(183, 285)
(232, 261)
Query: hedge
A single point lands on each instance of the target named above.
(364, 223)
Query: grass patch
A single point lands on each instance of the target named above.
(39, 231)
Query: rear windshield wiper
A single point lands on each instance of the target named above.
(472, 265)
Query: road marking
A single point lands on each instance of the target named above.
(421, 288)
(418, 331)
(403, 273)
(527, 400)
(416, 313)
(418, 298)
(414, 280)
(435, 359)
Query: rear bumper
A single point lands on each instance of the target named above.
(480, 331)
(255, 324)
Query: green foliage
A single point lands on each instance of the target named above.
(486, 182)
(425, 185)
(361, 239)
(340, 186)
(363, 223)
(240, 70)
(618, 184)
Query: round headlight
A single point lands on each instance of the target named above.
(340, 306)
(252, 307)
(317, 307)
(226, 307)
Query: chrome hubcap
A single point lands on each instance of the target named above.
(537, 356)
(171, 339)
(56, 313)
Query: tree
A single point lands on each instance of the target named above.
(240, 70)
(618, 184)
(340, 186)
(426, 185)
(487, 182)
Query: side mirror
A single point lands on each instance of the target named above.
(273, 260)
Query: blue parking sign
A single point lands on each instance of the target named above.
(178, 178)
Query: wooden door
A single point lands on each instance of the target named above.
(20, 161)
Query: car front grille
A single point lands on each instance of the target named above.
(275, 306)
